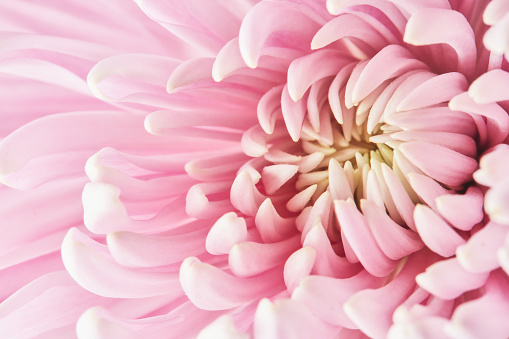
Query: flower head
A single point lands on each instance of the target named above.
(331, 169)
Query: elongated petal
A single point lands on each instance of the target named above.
(389, 63)
(483, 316)
(394, 240)
(212, 289)
(440, 26)
(371, 309)
(440, 163)
(252, 40)
(359, 236)
(435, 232)
(250, 258)
(222, 327)
(441, 88)
(479, 254)
(470, 204)
(448, 279)
(132, 249)
(93, 268)
(489, 87)
(325, 296)
(298, 266)
(287, 319)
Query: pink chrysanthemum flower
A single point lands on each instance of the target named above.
(314, 169)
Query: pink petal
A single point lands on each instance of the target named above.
(247, 259)
(503, 255)
(493, 166)
(435, 232)
(275, 176)
(376, 114)
(105, 212)
(222, 327)
(457, 142)
(440, 163)
(298, 266)
(93, 268)
(99, 323)
(438, 89)
(355, 227)
(489, 87)
(479, 254)
(269, 108)
(134, 186)
(226, 232)
(327, 262)
(495, 11)
(300, 200)
(198, 205)
(133, 249)
(338, 182)
(22, 273)
(20, 207)
(318, 111)
(40, 247)
(388, 11)
(293, 113)
(495, 38)
(373, 190)
(320, 210)
(287, 319)
(42, 70)
(281, 18)
(335, 100)
(427, 189)
(310, 162)
(199, 25)
(58, 154)
(432, 26)
(448, 280)
(406, 87)
(254, 142)
(483, 317)
(498, 121)
(301, 75)
(395, 241)
(244, 195)
(495, 203)
(271, 225)
(440, 119)
(210, 288)
(371, 309)
(390, 62)
(462, 211)
(116, 78)
(219, 167)
(165, 122)
(32, 310)
(376, 167)
(189, 73)
(325, 296)
(401, 199)
(348, 26)
(429, 327)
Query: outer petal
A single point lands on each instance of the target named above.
(212, 289)
(93, 268)
(287, 319)
(441, 26)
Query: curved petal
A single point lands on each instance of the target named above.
(432, 26)
(92, 267)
